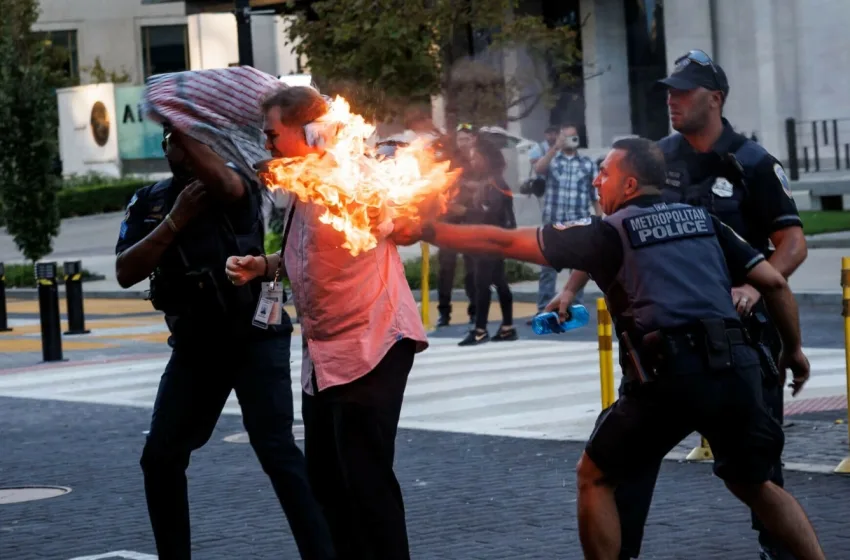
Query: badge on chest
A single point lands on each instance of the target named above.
(722, 187)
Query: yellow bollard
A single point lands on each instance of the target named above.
(844, 466)
(426, 262)
(606, 354)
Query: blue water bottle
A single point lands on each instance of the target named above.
(548, 323)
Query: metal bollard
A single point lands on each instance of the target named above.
(48, 308)
(844, 466)
(4, 318)
(74, 297)
(606, 354)
(424, 288)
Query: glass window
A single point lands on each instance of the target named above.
(165, 48)
(65, 44)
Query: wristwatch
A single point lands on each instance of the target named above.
(428, 232)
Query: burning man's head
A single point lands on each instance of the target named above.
(634, 166)
(287, 110)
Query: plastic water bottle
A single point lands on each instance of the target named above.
(549, 323)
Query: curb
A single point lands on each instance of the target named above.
(814, 243)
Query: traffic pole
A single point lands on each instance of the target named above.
(606, 353)
(844, 466)
(4, 318)
(74, 297)
(425, 288)
(48, 308)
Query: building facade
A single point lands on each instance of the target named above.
(146, 39)
(783, 59)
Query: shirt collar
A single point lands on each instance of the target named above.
(642, 201)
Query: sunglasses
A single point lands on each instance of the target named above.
(698, 57)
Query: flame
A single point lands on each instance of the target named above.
(359, 189)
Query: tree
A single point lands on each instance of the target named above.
(28, 136)
(385, 55)
(100, 75)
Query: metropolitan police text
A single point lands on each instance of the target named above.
(670, 223)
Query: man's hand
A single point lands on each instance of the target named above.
(797, 362)
(241, 270)
(561, 303)
(744, 299)
(190, 202)
(406, 231)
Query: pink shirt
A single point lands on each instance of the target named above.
(351, 309)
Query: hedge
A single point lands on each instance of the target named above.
(86, 200)
(23, 276)
(515, 271)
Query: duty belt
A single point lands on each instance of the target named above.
(713, 338)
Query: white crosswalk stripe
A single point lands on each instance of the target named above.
(528, 388)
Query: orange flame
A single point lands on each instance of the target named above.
(359, 189)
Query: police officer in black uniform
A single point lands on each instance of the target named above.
(665, 270)
(180, 232)
(710, 165)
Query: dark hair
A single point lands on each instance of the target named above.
(567, 125)
(492, 155)
(552, 129)
(299, 105)
(644, 159)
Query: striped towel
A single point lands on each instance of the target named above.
(218, 107)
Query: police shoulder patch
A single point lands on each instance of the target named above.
(783, 179)
(561, 226)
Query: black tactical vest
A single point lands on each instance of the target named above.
(673, 273)
(716, 181)
(190, 282)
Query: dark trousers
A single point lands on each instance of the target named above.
(447, 261)
(634, 497)
(491, 272)
(192, 393)
(350, 433)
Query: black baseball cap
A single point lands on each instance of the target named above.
(696, 69)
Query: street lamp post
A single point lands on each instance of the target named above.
(243, 32)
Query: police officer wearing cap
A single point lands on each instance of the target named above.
(711, 165)
(666, 270)
(180, 232)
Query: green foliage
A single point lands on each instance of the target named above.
(386, 55)
(515, 271)
(23, 276)
(100, 75)
(98, 198)
(28, 135)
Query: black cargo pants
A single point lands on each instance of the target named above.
(192, 392)
(634, 496)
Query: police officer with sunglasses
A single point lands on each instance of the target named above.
(737, 180)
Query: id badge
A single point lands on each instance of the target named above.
(270, 307)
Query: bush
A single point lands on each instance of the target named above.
(91, 199)
(23, 275)
(514, 270)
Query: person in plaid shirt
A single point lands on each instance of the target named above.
(569, 196)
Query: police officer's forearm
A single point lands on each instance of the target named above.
(520, 244)
(139, 261)
(780, 302)
(791, 250)
(577, 281)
